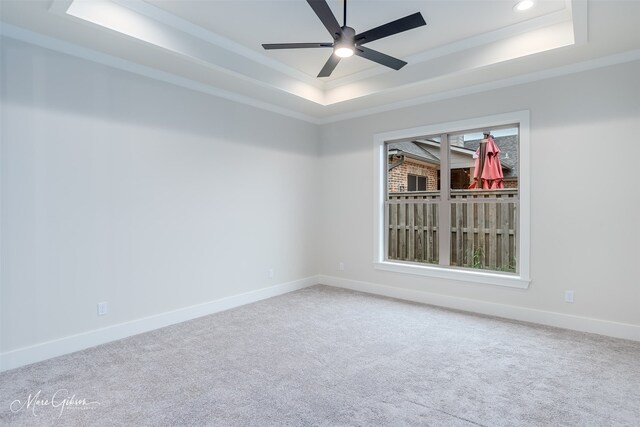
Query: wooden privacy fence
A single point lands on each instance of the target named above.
(484, 228)
(412, 219)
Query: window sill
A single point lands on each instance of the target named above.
(482, 277)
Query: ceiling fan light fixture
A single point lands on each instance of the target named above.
(344, 51)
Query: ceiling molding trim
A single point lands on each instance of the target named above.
(504, 33)
(47, 42)
(128, 23)
(460, 63)
(580, 14)
(183, 25)
(20, 34)
(60, 7)
(592, 64)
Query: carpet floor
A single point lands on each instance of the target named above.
(323, 356)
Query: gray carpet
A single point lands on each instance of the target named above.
(325, 356)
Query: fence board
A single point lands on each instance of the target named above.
(411, 232)
(481, 237)
(402, 231)
(420, 233)
(393, 233)
(459, 225)
(504, 237)
(513, 221)
(428, 234)
(435, 238)
(493, 240)
(471, 232)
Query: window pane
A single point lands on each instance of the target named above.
(484, 199)
(422, 183)
(411, 182)
(411, 206)
(461, 159)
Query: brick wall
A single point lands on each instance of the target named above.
(397, 177)
(510, 183)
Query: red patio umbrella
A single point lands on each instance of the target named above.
(488, 170)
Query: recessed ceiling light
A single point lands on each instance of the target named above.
(523, 5)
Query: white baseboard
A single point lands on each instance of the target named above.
(46, 350)
(38, 352)
(549, 318)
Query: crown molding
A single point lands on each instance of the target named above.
(47, 42)
(202, 50)
(554, 18)
(210, 37)
(27, 36)
(592, 64)
(578, 8)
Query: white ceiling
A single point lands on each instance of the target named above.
(215, 45)
(251, 23)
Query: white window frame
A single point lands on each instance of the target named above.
(522, 278)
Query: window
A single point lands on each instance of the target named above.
(416, 183)
(469, 178)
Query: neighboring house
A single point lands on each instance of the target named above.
(415, 165)
(411, 167)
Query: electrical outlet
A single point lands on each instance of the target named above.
(271, 273)
(568, 296)
(103, 308)
(341, 266)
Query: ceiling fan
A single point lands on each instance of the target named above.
(347, 43)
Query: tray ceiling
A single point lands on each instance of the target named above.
(215, 46)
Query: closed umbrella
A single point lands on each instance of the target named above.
(488, 170)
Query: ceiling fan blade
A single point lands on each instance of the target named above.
(379, 57)
(295, 45)
(321, 8)
(394, 27)
(329, 66)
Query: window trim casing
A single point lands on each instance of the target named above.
(520, 280)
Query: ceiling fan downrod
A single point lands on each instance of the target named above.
(345, 13)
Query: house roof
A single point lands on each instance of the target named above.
(413, 149)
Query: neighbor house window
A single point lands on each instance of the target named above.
(470, 224)
(416, 183)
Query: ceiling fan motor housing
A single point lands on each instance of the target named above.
(348, 35)
(346, 39)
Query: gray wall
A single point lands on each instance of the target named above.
(585, 148)
(123, 189)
